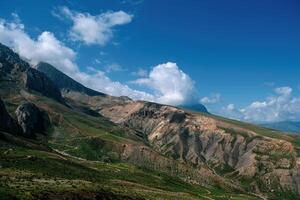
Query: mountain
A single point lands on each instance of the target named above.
(15, 73)
(286, 126)
(79, 95)
(61, 140)
(64, 82)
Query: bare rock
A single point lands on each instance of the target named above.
(7, 123)
(176, 117)
(32, 119)
(39, 82)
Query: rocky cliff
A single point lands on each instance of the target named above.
(7, 123)
(64, 82)
(32, 119)
(19, 72)
(198, 139)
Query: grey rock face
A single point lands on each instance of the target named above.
(13, 68)
(7, 123)
(10, 61)
(32, 119)
(64, 82)
(176, 117)
(37, 81)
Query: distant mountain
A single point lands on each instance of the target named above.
(287, 126)
(195, 107)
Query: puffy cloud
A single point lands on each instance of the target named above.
(49, 49)
(170, 84)
(279, 107)
(92, 29)
(97, 80)
(212, 99)
(46, 47)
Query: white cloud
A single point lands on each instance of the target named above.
(49, 49)
(46, 47)
(231, 111)
(284, 91)
(282, 106)
(170, 84)
(97, 80)
(94, 29)
(212, 99)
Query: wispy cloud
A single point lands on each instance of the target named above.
(140, 73)
(279, 107)
(133, 2)
(113, 67)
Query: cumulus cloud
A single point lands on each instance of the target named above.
(93, 29)
(170, 84)
(279, 107)
(49, 49)
(46, 47)
(212, 99)
(97, 80)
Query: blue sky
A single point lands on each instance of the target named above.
(239, 58)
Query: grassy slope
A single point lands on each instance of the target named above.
(27, 173)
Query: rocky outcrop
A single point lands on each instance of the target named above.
(197, 139)
(32, 119)
(77, 94)
(37, 81)
(10, 62)
(7, 123)
(13, 68)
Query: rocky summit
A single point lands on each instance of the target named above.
(62, 140)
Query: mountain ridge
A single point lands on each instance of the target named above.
(64, 82)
